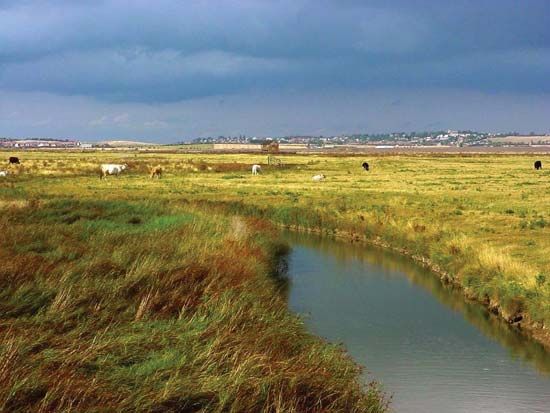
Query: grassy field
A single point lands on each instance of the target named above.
(116, 299)
(482, 222)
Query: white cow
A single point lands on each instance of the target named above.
(112, 169)
(256, 169)
(318, 178)
(4, 173)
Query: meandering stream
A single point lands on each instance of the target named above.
(430, 349)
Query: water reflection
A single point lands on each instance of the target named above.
(414, 333)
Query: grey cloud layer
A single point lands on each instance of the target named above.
(30, 114)
(167, 51)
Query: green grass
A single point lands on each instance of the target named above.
(482, 221)
(120, 305)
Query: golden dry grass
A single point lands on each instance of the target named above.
(116, 295)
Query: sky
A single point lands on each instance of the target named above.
(168, 71)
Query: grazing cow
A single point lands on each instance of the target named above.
(111, 169)
(4, 174)
(256, 169)
(14, 159)
(318, 178)
(365, 166)
(538, 165)
(156, 172)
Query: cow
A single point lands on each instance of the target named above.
(3, 174)
(156, 172)
(14, 159)
(111, 169)
(538, 165)
(318, 178)
(256, 169)
(365, 166)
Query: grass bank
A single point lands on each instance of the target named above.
(114, 304)
(480, 221)
(507, 299)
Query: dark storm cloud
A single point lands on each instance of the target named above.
(168, 69)
(167, 51)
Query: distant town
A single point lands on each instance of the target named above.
(448, 138)
(437, 138)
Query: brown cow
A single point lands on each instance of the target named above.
(156, 172)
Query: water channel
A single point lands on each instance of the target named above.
(429, 348)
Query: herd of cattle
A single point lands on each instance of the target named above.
(256, 169)
(116, 169)
(156, 171)
(105, 169)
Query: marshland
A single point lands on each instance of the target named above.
(132, 293)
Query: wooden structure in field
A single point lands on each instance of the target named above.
(270, 147)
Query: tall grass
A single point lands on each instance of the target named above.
(112, 305)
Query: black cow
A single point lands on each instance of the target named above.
(365, 166)
(14, 159)
(538, 165)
